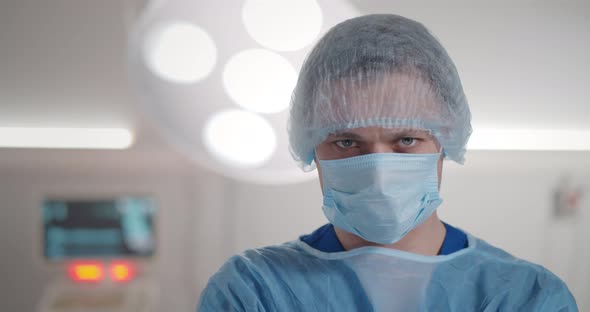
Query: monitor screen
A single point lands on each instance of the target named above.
(121, 228)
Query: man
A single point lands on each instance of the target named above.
(377, 107)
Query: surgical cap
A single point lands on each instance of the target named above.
(378, 70)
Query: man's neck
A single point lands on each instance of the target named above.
(425, 239)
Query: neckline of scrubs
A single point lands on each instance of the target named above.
(472, 242)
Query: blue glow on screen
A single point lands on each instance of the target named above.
(122, 227)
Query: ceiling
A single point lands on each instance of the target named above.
(523, 64)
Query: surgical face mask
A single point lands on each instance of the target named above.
(380, 197)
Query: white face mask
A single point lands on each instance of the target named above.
(380, 197)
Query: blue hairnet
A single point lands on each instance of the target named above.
(378, 70)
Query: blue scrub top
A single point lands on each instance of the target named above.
(297, 277)
(325, 239)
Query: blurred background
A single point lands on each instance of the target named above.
(142, 143)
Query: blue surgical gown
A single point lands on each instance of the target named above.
(296, 277)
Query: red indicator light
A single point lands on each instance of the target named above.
(86, 271)
(121, 272)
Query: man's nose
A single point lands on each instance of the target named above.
(378, 147)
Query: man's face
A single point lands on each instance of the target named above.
(402, 94)
(362, 141)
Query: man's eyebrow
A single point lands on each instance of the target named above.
(348, 135)
(396, 134)
(409, 133)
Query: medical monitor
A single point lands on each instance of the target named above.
(120, 227)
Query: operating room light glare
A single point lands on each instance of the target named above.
(180, 52)
(259, 80)
(239, 138)
(530, 140)
(65, 138)
(282, 25)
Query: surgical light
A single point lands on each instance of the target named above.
(258, 47)
(259, 80)
(282, 25)
(180, 52)
(529, 139)
(239, 138)
(65, 138)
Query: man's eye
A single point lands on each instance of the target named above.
(345, 143)
(408, 141)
